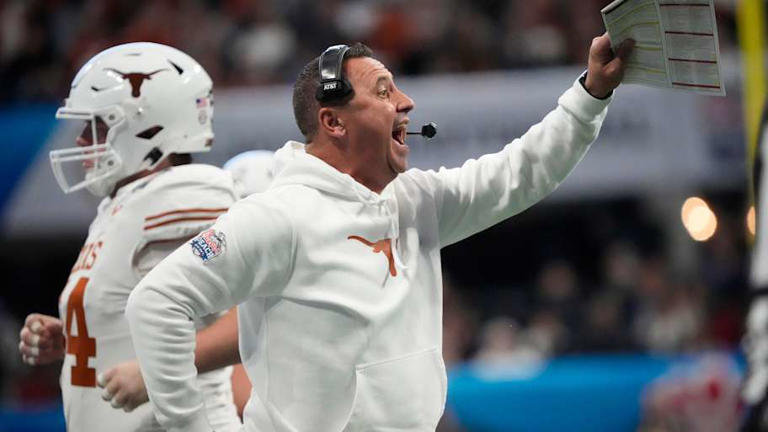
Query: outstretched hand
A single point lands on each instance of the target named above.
(605, 70)
(123, 386)
(41, 340)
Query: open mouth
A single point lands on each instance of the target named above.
(399, 134)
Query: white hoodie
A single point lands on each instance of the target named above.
(340, 289)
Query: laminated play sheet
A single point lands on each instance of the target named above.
(676, 43)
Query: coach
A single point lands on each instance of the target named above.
(336, 268)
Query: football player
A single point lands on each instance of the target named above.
(145, 108)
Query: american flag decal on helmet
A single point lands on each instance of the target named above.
(209, 244)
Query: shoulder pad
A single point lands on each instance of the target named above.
(184, 200)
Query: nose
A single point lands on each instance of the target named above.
(405, 104)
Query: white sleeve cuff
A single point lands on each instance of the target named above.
(582, 104)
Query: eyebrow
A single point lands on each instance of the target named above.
(386, 78)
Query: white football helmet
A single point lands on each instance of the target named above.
(148, 101)
(252, 171)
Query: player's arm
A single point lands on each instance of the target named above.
(496, 186)
(248, 252)
(216, 347)
(41, 340)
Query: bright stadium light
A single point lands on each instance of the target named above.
(751, 220)
(698, 219)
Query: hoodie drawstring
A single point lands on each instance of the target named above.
(394, 230)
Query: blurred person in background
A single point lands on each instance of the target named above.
(547, 332)
(755, 386)
(535, 33)
(557, 290)
(252, 171)
(459, 324)
(504, 342)
(670, 315)
(702, 396)
(145, 107)
(620, 270)
(602, 329)
(340, 302)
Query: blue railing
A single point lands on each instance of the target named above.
(585, 393)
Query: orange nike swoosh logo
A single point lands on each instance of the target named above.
(384, 246)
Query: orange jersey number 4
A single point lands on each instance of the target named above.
(82, 346)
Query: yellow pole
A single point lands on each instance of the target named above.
(751, 28)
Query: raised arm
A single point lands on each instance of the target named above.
(494, 187)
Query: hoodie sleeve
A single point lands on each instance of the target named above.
(247, 252)
(485, 191)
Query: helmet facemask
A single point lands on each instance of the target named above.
(94, 164)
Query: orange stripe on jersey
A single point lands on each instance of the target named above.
(173, 240)
(177, 220)
(194, 210)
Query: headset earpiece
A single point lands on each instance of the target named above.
(333, 86)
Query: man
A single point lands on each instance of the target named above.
(337, 264)
(146, 107)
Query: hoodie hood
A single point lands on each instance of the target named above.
(294, 166)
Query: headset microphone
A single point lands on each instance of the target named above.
(427, 131)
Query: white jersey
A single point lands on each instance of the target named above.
(132, 232)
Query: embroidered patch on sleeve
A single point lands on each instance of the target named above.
(209, 244)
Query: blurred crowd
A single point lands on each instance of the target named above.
(246, 42)
(638, 303)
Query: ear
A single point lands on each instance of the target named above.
(330, 122)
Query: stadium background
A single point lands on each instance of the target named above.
(595, 310)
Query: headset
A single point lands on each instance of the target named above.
(334, 87)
